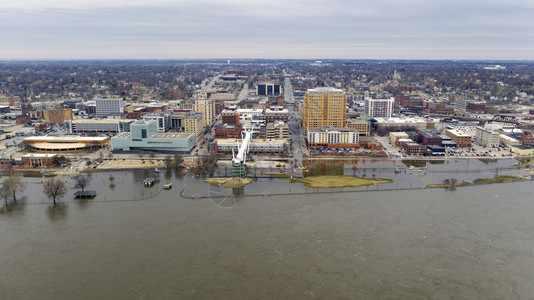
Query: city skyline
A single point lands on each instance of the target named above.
(162, 29)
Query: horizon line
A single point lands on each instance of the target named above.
(260, 58)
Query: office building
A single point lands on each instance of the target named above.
(276, 113)
(379, 108)
(9, 101)
(109, 106)
(333, 138)
(144, 136)
(256, 146)
(163, 120)
(323, 107)
(487, 138)
(363, 127)
(58, 115)
(205, 106)
(461, 139)
(268, 89)
(230, 117)
(277, 130)
(109, 126)
(194, 123)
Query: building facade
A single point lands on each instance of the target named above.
(230, 117)
(268, 89)
(144, 136)
(109, 106)
(363, 127)
(487, 138)
(38, 159)
(256, 146)
(379, 108)
(58, 144)
(58, 115)
(277, 130)
(205, 106)
(333, 138)
(194, 123)
(324, 107)
(163, 120)
(276, 114)
(460, 138)
(109, 126)
(228, 131)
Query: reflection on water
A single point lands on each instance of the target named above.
(422, 163)
(10, 207)
(57, 212)
(473, 243)
(322, 168)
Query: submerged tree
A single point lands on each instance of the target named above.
(11, 186)
(167, 161)
(54, 189)
(178, 159)
(5, 194)
(81, 181)
(111, 179)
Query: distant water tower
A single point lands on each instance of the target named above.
(228, 62)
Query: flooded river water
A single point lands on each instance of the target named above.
(476, 242)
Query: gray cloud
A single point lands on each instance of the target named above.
(293, 29)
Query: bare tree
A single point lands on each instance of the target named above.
(178, 159)
(5, 194)
(81, 181)
(11, 186)
(151, 155)
(54, 189)
(167, 161)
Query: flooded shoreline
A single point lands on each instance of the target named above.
(274, 239)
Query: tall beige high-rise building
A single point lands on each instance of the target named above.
(324, 107)
(205, 106)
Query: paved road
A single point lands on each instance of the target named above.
(288, 89)
(212, 82)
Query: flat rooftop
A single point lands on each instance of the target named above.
(38, 155)
(47, 138)
(330, 129)
(172, 135)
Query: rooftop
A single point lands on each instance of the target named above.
(172, 135)
(325, 89)
(327, 129)
(38, 155)
(66, 138)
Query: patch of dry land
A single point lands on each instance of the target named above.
(338, 181)
(229, 182)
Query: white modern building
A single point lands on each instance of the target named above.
(332, 137)
(487, 138)
(109, 106)
(163, 120)
(379, 108)
(98, 125)
(144, 136)
(249, 113)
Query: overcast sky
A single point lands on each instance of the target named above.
(377, 29)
